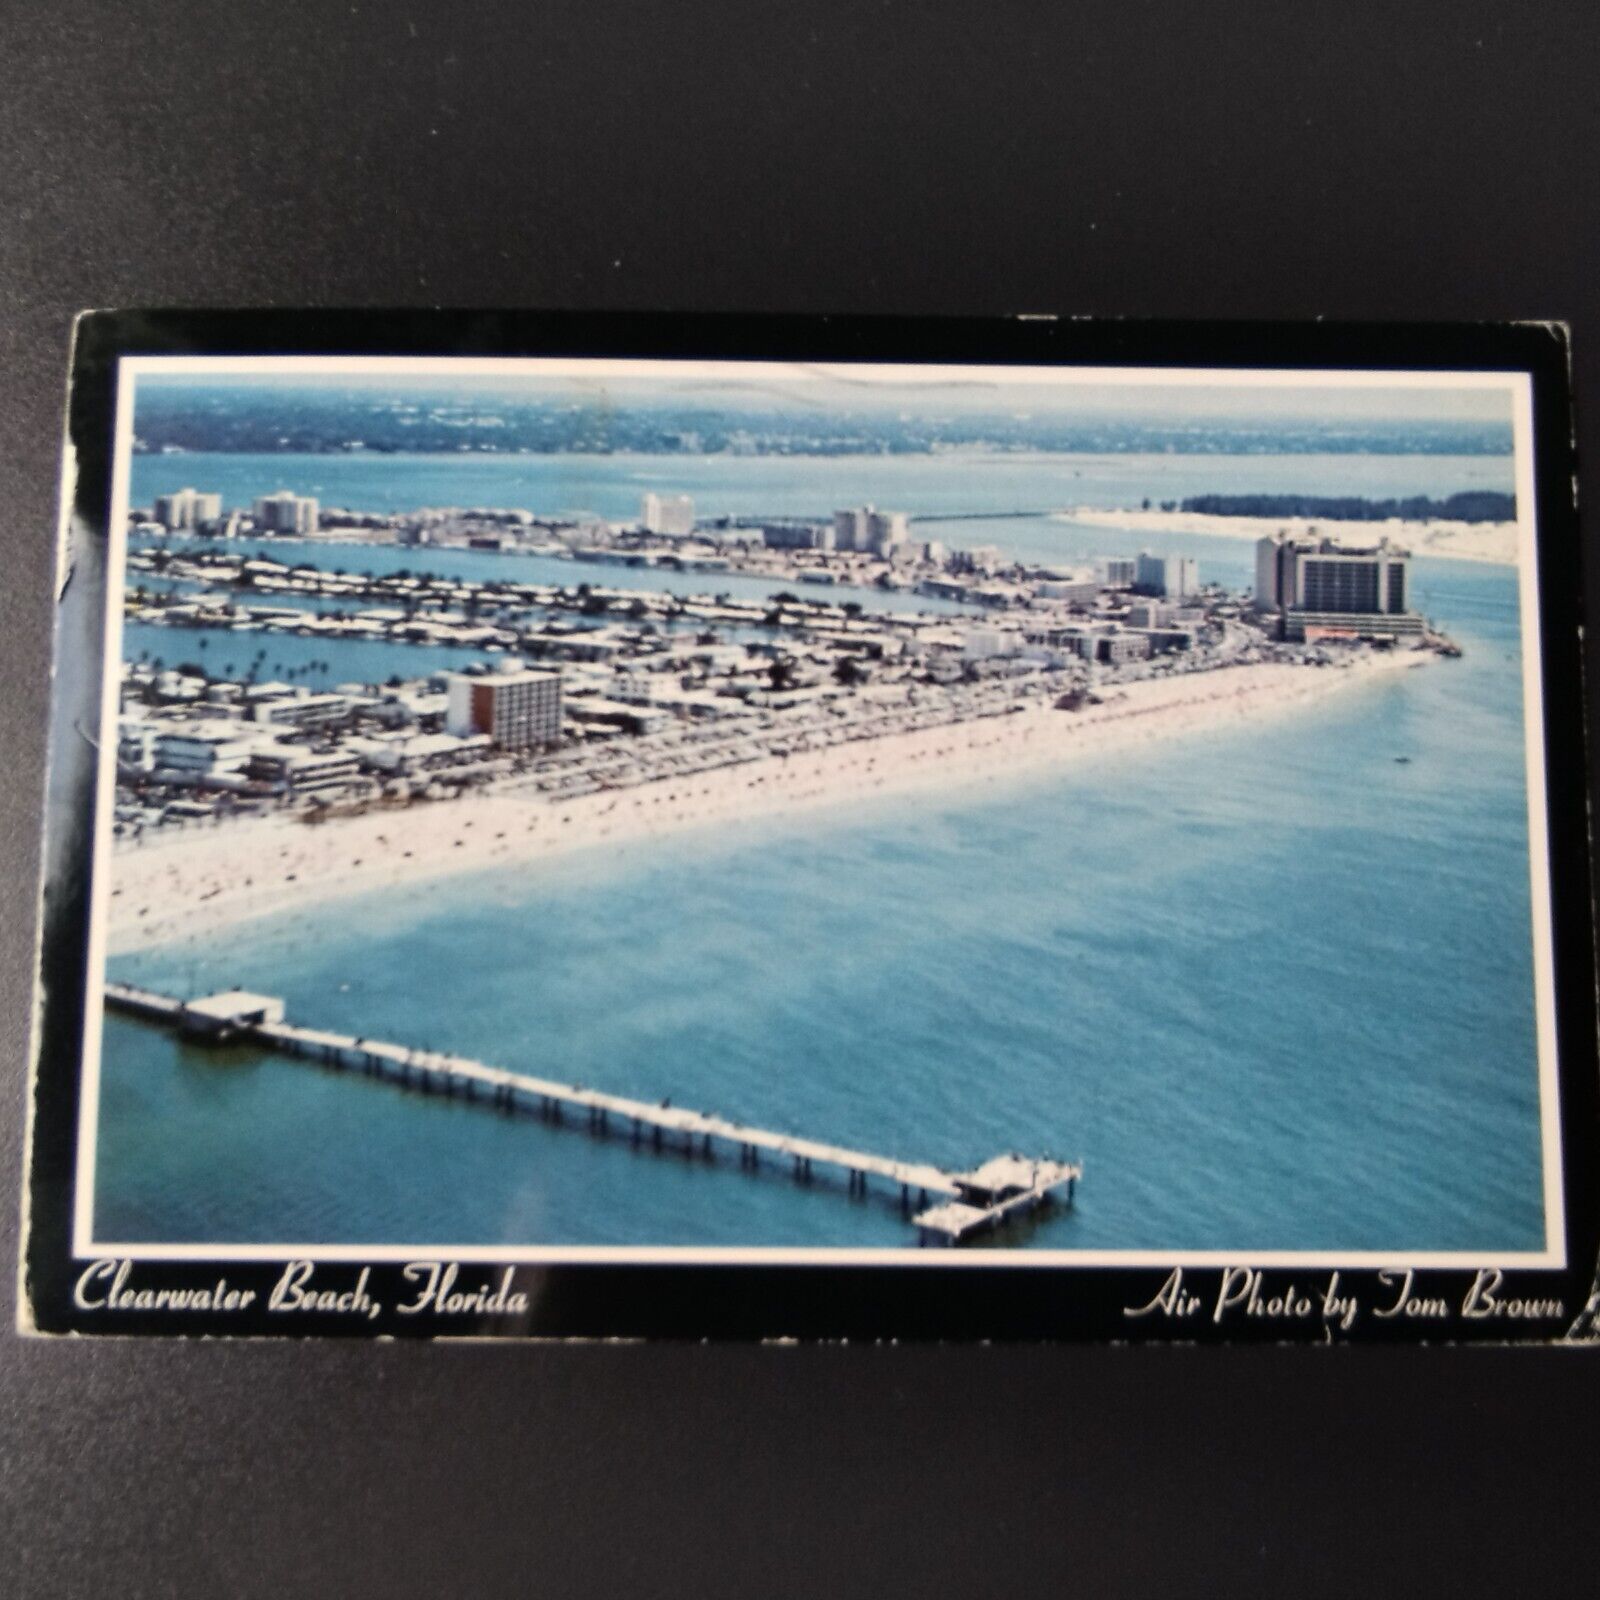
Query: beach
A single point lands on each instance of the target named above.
(1495, 542)
(191, 886)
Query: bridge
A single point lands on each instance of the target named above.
(821, 518)
(976, 1202)
(981, 516)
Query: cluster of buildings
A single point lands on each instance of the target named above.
(1308, 587)
(495, 528)
(859, 530)
(1311, 587)
(587, 672)
(194, 510)
(664, 663)
(186, 744)
(212, 752)
(1110, 636)
(859, 544)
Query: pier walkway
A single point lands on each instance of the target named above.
(976, 1201)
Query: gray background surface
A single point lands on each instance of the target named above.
(1115, 158)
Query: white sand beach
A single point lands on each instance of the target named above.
(1460, 541)
(191, 885)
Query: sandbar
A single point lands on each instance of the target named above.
(1495, 542)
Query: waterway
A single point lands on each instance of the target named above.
(953, 484)
(559, 572)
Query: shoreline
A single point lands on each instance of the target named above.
(1497, 543)
(199, 884)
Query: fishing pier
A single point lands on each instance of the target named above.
(970, 1203)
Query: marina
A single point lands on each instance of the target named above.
(975, 1202)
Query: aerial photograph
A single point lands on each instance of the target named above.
(736, 807)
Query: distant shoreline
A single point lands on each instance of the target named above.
(1496, 543)
(961, 452)
(187, 889)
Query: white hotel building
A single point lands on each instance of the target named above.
(285, 512)
(187, 508)
(1321, 589)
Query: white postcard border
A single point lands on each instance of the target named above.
(1519, 385)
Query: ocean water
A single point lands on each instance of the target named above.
(956, 484)
(1272, 986)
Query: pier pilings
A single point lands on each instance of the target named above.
(976, 1202)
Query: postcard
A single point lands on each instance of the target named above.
(569, 826)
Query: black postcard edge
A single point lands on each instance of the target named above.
(868, 1302)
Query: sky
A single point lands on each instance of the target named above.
(945, 391)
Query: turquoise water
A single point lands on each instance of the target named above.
(1272, 986)
(318, 663)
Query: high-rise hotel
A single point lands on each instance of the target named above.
(284, 512)
(518, 710)
(867, 529)
(1320, 589)
(1170, 577)
(187, 508)
(667, 513)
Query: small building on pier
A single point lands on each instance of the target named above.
(221, 1016)
(1005, 1177)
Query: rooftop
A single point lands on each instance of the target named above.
(233, 1005)
(1002, 1173)
(952, 1218)
(506, 677)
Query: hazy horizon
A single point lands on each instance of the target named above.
(1044, 395)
